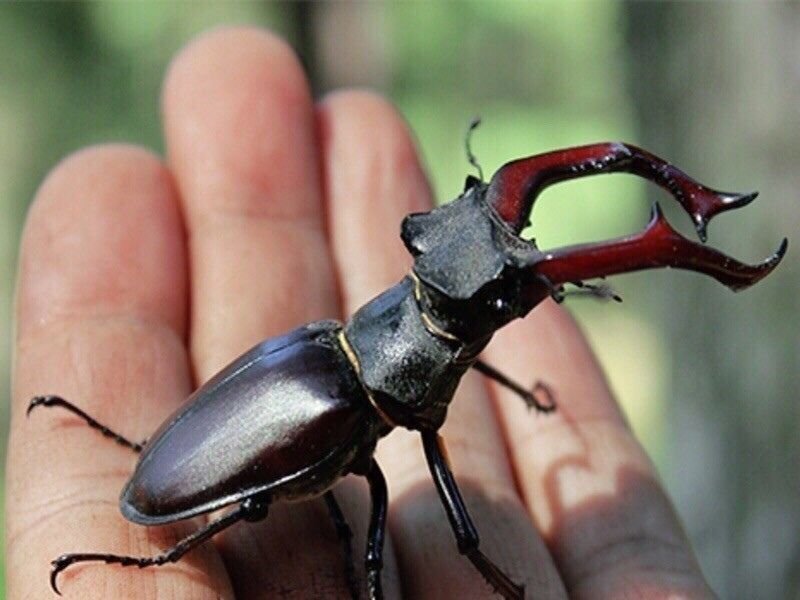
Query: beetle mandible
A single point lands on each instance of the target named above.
(296, 413)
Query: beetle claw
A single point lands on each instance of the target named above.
(38, 401)
(541, 389)
(58, 564)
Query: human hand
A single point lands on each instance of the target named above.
(139, 280)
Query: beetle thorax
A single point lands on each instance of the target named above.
(472, 269)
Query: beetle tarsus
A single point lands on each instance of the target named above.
(541, 397)
(600, 291)
(172, 555)
(374, 588)
(498, 580)
(50, 401)
(345, 535)
(464, 530)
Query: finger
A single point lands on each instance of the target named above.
(100, 320)
(247, 166)
(373, 178)
(240, 132)
(588, 483)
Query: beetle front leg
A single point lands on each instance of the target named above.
(50, 401)
(377, 531)
(540, 397)
(598, 291)
(463, 528)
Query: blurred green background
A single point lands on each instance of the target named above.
(709, 379)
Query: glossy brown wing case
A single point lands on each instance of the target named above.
(279, 413)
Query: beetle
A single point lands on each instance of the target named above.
(294, 414)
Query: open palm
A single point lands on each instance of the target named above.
(139, 280)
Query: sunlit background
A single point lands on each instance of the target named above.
(709, 379)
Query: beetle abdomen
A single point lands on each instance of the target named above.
(286, 408)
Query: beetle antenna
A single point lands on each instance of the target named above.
(473, 125)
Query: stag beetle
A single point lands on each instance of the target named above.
(294, 414)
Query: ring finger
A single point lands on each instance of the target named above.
(373, 179)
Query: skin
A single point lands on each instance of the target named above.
(140, 277)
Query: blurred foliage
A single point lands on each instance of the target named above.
(717, 86)
(542, 75)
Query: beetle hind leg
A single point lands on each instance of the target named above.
(50, 401)
(345, 536)
(250, 510)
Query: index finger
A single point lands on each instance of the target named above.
(246, 161)
(101, 318)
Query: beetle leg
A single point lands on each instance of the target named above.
(58, 401)
(658, 246)
(463, 528)
(247, 510)
(541, 397)
(377, 530)
(514, 187)
(600, 291)
(345, 536)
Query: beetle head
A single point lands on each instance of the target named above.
(475, 269)
(479, 273)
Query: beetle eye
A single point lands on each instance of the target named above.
(500, 304)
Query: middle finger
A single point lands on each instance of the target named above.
(240, 131)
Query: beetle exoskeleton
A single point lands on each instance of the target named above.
(290, 417)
